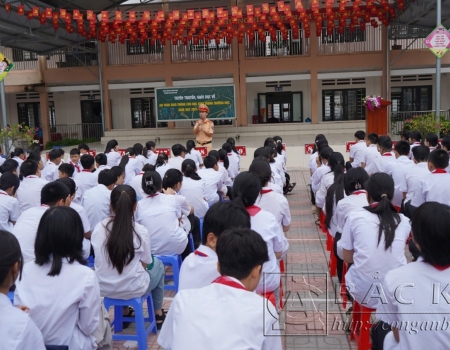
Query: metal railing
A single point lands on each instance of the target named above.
(203, 50)
(23, 60)
(128, 53)
(66, 59)
(368, 40)
(278, 47)
(409, 44)
(77, 131)
(398, 119)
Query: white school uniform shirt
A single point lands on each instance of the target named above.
(84, 181)
(159, 215)
(199, 269)
(398, 170)
(65, 307)
(371, 260)
(250, 322)
(17, 330)
(175, 162)
(162, 169)
(86, 228)
(325, 183)
(412, 179)
(357, 153)
(100, 169)
(134, 280)
(114, 158)
(357, 200)
(434, 187)
(25, 230)
(29, 192)
(2, 160)
(78, 167)
(132, 168)
(277, 177)
(195, 156)
(50, 172)
(380, 164)
(9, 210)
(96, 201)
(276, 204)
(415, 144)
(152, 157)
(213, 183)
(136, 183)
(370, 153)
(142, 161)
(312, 162)
(275, 187)
(193, 190)
(225, 176)
(18, 160)
(233, 169)
(270, 230)
(185, 224)
(317, 176)
(281, 159)
(416, 283)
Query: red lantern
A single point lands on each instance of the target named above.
(76, 14)
(265, 8)
(35, 11)
(205, 13)
(21, 10)
(190, 14)
(7, 8)
(146, 16)
(118, 17)
(104, 16)
(30, 14)
(281, 7)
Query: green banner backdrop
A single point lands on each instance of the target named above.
(175, 104)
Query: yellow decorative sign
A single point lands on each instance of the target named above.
(6, 65)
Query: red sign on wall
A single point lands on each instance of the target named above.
(309, 147)
(242, 150)
(165, 150)
(203, 151)
(349, 144)
(122, 151)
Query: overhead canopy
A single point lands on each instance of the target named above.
(19, 32)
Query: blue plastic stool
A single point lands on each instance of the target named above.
(201, 229)
(191, 241)
(175, 262)
(138, 305)
(11, 296)
(91, 261)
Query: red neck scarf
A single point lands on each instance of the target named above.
(439, 171)
(228, 282)
(253, 210)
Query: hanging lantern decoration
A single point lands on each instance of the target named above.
(35, 11)
(7, 8)
(21, 10)
(30, 15)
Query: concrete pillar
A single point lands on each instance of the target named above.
(106, 97)
(314, 84)
(170, 125)
(45, 118)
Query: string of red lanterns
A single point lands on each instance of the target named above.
(217, 25)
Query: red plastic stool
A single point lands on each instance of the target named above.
(322, 222)
(361, 318)
(281, 284)
(333, 261)
(343, 286)
(330, 241)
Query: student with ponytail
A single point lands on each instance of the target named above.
(373, 241)
(223, 164)
(9, 205)
(193, 188)
(234, 159)
(161, 165)
(29, 192)
(192, 153)
(112, 152)
(121, 246)
(140, 156)
(19, 155)
(149, 152)
(130, 165)
(337, 168)
(232, 142)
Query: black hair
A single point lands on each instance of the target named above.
(74, 151)
(17, 152)
(380, 188)
(118, 170)
(223, 156)
(61, 151)
(264, 159)
(189, 146)
(249, 251)
(272, 152)
(325, 152)
(37, 149)
(59, 237)
(439, 158)
(321, 144)
(107, 177)
(354, 180)
(148, 167)
(53, 192)
(67, 168)
(209, 162)
(126, 158)
(232, 142)
(373, 138)
(429, 227)
(69, 183)
(319, 138)
(151, 183)
(214, 153)
(446, 142)
(402, 148)
(269, 142)
(162, 157)
(335, 192)
(177, 149)
(54, 154)
(171, 178)
(385, 143)
(262, 169)
(101, 159)
(415, 135)
(189, 169)
(262, 152)
(227, 147)
(9, 180)
(120, 242)
(148, 146)
(421, 153)
(83, 146)
(10, 253)
(246, 189)
(9, 165)
(87, 161)
(111, 145)
(433, 139)
(405, 133)
(360, 135)
(34, 155)
(28, 167)
(279, 145)
(138, 149)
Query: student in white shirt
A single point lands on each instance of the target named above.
(277, 167)
(66, 170)
(86, 179)
(112, 153)
(223, 166)
(232, 142)
(380, 164)
(415, 303)
(17, 330)
(337, 168)
(446, 147)
(193, 188)
(61, 153)
(50, 172)
(192, 153)
(130, 164)
(356, 154)
(100, 163)
(96, 201)
(10, 165)
(281, 157)
(233, 169)
(312, 162)
(161, 164)
(325, 153)
(199, 269)
(212, 178)
(160, 213)
(29, 192)
(149, 150)
(136, 182)
(199, 316)
(414, 139)
(276, 178)
(371, 151)
(432, 141)
(75, 160)
(373, 241)
(59, 284)
(34, 155)
(19, 155)
(121, 247)
(9, 206)
(84, 149)
(120, 174)
(178, 153)
(140, 157)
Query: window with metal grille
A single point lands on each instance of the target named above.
(20, 56)
(146, 48)
(343, 104)
(348, 36)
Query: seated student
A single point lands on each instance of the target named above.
(37, 158)
(83, 148)
(223, 165)
(2, 156)
(122, 247)
(337, 168)
(404, 136)
(275, 181)
(83, 215)
(130, 164)
(62, 293)
(432, 141)
(178, 153)
(86, 179)
(50, 172)
(269, 200)
(322, 168)
(120, 174)
(96, 201)
(61, 153)
(75, 160)
(100, 162)
(281, 157)
(17, 330)
(424, 281)
(29, 192)
(371, 151)
(53, 194)
(112, 153)
(10, 165)
(136, 182)
(446, 147)
(19, 155)
(9, 205)
(212, 178)
(192, 153)
(373, 241)
(414, 140)
(66, 170)
(312, 162)
(246, 189)
(357, 151)
(234, 160)
(380, 164)
(199, 269)
(232, 142)
(227, 303)
(140, 157)
(149, 149)
(193, 188)
(277, 168)
(159, 213)
(161, 165)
